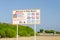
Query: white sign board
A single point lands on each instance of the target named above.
(26, 16)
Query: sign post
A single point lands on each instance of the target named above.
(35, 32)
(17, 29)
(31, 16)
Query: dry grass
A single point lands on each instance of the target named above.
(32, 38)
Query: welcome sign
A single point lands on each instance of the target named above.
(26, 16)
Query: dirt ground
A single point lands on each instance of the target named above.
(32, 38)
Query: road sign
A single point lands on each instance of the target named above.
(31, 16)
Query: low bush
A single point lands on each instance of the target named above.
(41, 30)
(49, 31)
(2, 33)
(10, 33)
(57, 32)
(9, 30)
(25, 31)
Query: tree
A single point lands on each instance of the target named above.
(41, 30)
(49, 31)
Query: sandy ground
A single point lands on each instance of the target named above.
(32, 38)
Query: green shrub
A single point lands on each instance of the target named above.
(9, 30)
(25, 31)
(2, 33)
(57, 32)
(49, 31)
(41, 30)
(10, 33)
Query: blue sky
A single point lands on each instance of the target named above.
(50, 11)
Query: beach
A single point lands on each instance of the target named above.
(32, 38)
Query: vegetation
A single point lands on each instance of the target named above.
(9, 30)
(25, 31)
(41, 30)
(57, 32)
(49, 31)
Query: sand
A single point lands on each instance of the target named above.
(32, 38)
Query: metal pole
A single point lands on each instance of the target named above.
(17, 28)
(17, 31)
(35, 32)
